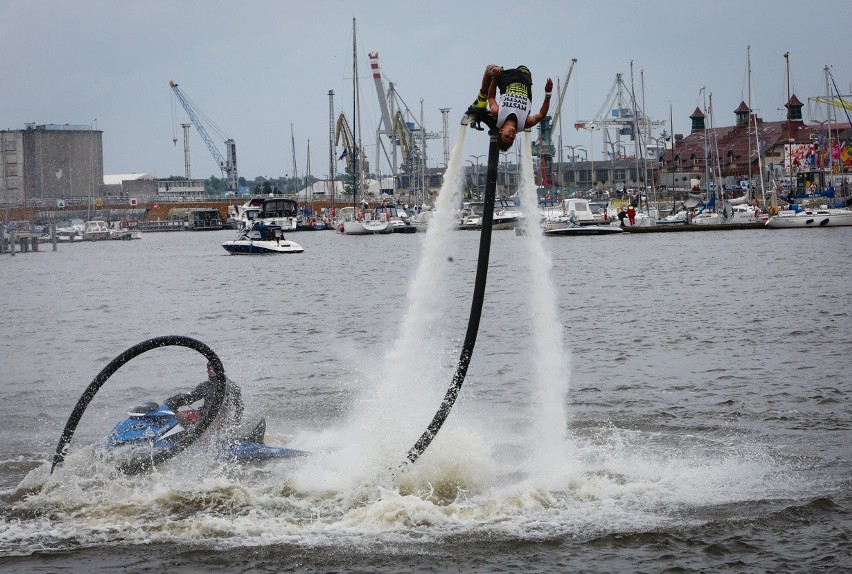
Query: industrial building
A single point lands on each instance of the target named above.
(51, 161)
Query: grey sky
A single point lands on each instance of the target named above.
(256, 67)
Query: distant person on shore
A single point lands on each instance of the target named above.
(513, 108)
(621, 215)
(631, 214)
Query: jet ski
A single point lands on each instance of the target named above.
(151, 427)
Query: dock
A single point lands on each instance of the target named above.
(683, 227)
(162, 225)
(20, 242)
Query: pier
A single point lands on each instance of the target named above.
(682, 227)
(22, 242)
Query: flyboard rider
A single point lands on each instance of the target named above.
(512, 110)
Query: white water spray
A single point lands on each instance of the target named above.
(427, 292)
(548, 438)
(412, 375)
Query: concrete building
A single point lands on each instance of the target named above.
(180, 189)
(50, 162)
(130, 185)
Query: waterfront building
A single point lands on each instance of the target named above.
(792, 153)
(180, 189)
(50, 161)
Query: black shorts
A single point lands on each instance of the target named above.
(519, 75)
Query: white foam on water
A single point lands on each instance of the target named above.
(618, 481)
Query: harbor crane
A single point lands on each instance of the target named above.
(623, 115)
(229, 165)
(404, 133)
(544, 148)
(356, 161)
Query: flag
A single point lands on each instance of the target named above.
(343, 155)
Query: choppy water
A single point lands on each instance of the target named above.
(703, 418)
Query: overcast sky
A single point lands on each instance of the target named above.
(256, 67)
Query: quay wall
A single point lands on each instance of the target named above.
(156, 211)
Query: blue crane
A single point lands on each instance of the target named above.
(229, 165)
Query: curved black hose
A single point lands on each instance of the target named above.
(141, 464)
(475, 306)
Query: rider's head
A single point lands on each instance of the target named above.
(211, 372)
(508, 132)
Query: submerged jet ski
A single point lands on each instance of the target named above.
(151, 427)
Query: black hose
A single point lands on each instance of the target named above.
(141, 464)
(476, 304)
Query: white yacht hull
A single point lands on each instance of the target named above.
(811, 218)
(367, 227)
(250, 247)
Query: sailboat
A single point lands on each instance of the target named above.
(719, 210)
(361, 222)
(823, 215)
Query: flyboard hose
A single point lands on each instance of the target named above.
(480, 115)
(141, 464)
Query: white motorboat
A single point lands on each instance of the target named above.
(261, 239)
(421, 219)
(824, 216)
(279, 211)
(506, 215)
(575, 216)
(562, 228)
(126, 229)
(96, 230)
(72, 232)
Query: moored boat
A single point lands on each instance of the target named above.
(822, 217)
(382, 219)
(96, 230)
(280, 211)
(125, 229)
(554, 229)
(506, 215)
(261, 239)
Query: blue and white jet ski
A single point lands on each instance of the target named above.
(151, 427)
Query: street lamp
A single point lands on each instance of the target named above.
(505, 155)
(477, 172)
(574, 149)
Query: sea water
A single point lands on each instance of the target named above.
(634, 403)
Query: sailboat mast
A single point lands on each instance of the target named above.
(829, 117)
(787, 66)
(331, 153)
(671, 134)
(293, 151)
(753, 122)
(357, 168)
(308, 177)
(636, 147)
(748, 124)
(789, 157)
